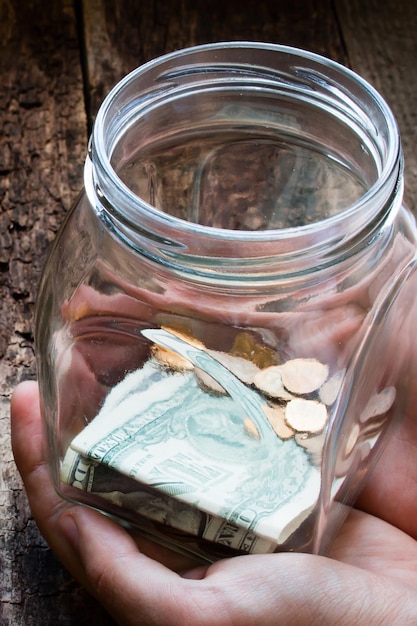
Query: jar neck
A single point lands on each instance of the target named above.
(362, 131)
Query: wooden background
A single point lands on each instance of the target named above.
(57, 61)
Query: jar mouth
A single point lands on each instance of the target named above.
(361, 125)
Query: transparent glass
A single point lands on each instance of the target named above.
(217, 323)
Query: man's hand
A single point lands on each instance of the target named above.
(370, 577)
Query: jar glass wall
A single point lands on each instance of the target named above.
(216, 321)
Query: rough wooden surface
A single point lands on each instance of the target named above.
(120, 35)
(42, 147)
(57, 61)
(381, 40)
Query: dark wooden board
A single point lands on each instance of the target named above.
(381, 42)
(120, 35)
(57, 61)
(43, 137)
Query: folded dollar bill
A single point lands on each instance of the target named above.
(196, 467)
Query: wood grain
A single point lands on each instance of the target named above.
(58, 59)
(42, 146)
(119, 37)
(381, 42)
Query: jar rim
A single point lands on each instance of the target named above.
(383, 188)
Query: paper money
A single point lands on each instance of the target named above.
(126, 493)
(161, 429)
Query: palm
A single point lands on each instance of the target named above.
(374, 545)
(371, 571)
(391, 491)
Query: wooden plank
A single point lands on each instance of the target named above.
(42, 147)
(123, 34)
(381, 43)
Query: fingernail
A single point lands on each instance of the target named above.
(69, 529)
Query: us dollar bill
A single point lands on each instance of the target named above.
(126, 493)
(190, 450)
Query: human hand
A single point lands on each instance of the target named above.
(370, 577)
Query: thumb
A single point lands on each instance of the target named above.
(276, 589)
(122, 573)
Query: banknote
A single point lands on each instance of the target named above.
(189, 450)
(153, 505)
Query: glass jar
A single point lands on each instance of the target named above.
(217, 323)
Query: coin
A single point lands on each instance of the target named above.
(329, 391)
(208, 383)
(243, 369)
(269, 381)
(187, 337)
(308, 416)
(378, 404)
(251, 428)
(302, 376)
(352, 439)
(313, 444)
(276, 417)
(246, 347)
(170, 359)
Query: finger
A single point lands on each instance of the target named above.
(306, 590)
(26, 427)
(254, 590)
(391, 490)
(28, 449)
(138, 590)
(372, 544)
(28, 442)
(134, 588)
